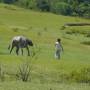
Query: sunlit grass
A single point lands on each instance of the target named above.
(43, 29)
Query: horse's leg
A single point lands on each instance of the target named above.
(22, 51)
(11, 49)
(17, 49)
(28, 51)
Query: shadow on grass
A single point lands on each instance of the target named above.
(4, 53)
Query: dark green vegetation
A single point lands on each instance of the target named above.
(65, 7)
(42, 71)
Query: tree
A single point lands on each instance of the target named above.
(63, 8)
(43, 5)
(8, 1)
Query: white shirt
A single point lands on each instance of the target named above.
(57, 46)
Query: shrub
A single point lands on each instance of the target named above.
(15, 29)
(88, 35)
(86, 42)
(24, 72)
(72, 31)
(43, 5)
(83, 76)
(63, 8)
(2, 73)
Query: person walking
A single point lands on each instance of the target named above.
(58, 48)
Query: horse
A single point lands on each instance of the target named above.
(20, 42)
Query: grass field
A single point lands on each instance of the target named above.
(47, 73)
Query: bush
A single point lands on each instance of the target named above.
(88, 35)
(63, 8)
(83, 76)
(72, 31)
(83, 10)
(24, 72)
(8, 1)
(43, 5)
(2, 74)
(86, 42)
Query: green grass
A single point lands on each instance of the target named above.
(38, 86)
(43, 29)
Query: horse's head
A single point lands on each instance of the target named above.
(30, 43)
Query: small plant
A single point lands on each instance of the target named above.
(83, 76)
(72, 31)
(10, 7)
(39, 34)
(69, 32)
(15, 29)
(24, 72)
(2, 74)
(30, 27)
(88, 35)
(63, 28)
(45, 29)
(86, 42)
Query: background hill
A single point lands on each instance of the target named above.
(65, 7)
(70, 73)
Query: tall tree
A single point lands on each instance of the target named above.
(8, 1)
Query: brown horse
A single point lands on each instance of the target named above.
(20, 42)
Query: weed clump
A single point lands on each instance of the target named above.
(2, 73)
(83, 76)
(24, 72)
(86, 42)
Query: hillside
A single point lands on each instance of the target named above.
(46, 71)
(63, 7)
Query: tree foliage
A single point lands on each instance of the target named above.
(65, 7)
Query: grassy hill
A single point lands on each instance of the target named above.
(46, 71)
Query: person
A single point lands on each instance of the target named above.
(58, 48)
